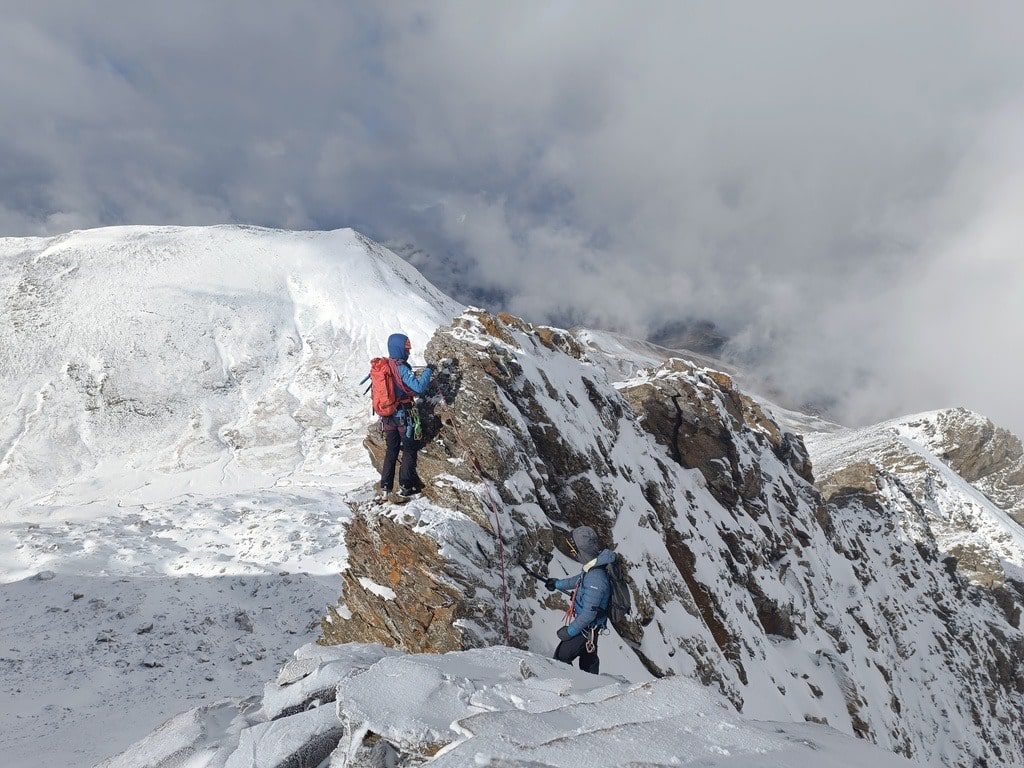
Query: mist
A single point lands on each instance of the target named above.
(837, 188)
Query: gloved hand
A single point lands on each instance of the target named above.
(563, 633)
(550, 584)
(432, 368)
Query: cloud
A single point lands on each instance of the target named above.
(810, 177)
(945, 328)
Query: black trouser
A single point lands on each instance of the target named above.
(576, 647)
(396, 440)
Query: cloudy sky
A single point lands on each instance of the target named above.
(839, 187)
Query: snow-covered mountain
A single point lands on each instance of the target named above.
(187, 490)
(138, 363)
(181, 408)
(966, 474)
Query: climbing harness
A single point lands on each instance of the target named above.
(570, 612)
(417, 423)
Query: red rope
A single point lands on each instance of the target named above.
(501, 558)
(497, 527)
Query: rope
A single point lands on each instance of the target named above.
(489, 501)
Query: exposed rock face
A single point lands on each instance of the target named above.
(967, 474)
(839, 611)
(400, 592)
(696, 414)
(989, 457)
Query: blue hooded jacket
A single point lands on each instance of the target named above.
(397, 351)
(593, 596)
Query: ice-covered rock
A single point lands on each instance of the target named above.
(491, 707)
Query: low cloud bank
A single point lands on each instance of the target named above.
(835, 188)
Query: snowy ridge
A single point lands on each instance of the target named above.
(624, 357)
(967, 524)
(743, 578)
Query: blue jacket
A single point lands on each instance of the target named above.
(593, 596)
(414, 382)
(397, 343)
(398, 351)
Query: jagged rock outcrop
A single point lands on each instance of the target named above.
(987, 456)
(400, 592)
(838, 610)
(696, 414)
(966, 473)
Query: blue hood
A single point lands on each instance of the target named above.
(587, 543)
(396, 346)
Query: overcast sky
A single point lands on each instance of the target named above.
(840, 187)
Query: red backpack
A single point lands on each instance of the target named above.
(385, 382)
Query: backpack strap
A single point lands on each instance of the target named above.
(409, 394)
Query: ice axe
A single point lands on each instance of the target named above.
(546, 557)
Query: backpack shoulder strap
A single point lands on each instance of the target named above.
(398, 378)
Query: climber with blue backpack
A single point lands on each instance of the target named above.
(599, 592)
(394, 385)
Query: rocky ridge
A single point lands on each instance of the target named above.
(835, 608)
(962, 470)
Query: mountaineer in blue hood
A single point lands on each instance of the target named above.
(399, 433)
(591, 593)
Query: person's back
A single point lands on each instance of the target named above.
(591, 594)
(399, 429)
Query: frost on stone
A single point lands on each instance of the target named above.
(497, 707)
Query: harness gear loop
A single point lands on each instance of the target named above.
(570, 612)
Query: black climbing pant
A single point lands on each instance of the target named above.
(396, 440)
(576, 647)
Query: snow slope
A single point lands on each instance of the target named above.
(969, 525)
(180, 413)
(137, 363)
(362, 705)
